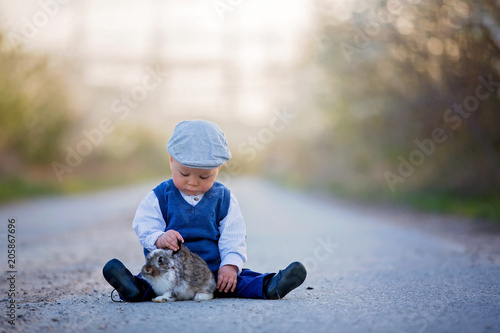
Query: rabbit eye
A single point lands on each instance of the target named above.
(160, 260)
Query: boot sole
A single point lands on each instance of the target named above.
(292, 278)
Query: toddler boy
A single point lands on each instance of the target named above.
(194, 209)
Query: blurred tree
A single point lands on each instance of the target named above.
(394, 71)
(34, 108)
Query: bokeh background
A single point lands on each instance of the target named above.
(384, 101)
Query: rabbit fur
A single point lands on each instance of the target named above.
(178, 275)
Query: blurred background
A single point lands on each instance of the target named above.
(383, 101)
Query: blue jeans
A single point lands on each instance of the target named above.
(249, 285)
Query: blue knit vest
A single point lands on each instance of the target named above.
(198, 225)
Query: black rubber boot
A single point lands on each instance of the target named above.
(285, 281)
(122, 280)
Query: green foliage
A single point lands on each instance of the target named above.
(384, 77)
(34, 109)
(386, 87)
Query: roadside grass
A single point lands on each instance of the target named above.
(485, 207)
(16, 187)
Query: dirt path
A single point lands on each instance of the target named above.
(370, 269)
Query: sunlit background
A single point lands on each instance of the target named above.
(367, 99)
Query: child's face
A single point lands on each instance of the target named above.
(192, 181)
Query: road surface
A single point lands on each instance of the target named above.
(370, 269)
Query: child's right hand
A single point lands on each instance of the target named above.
(169, 240)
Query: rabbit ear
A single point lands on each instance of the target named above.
(179, 244)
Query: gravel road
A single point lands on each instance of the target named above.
(370, 269)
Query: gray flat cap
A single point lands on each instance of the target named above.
(199, 144)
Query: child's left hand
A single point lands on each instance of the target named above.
(227, 278)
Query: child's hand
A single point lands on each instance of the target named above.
(169, 240)
(227, 278)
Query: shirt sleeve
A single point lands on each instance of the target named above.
(148, 222)
(232, 245)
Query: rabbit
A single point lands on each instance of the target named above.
(178, 275)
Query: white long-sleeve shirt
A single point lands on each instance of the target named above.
(149, 224)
